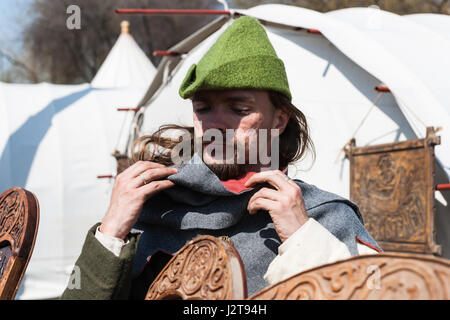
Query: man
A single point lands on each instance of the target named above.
(278, 225)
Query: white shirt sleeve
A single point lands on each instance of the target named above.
(310, 246)
(113, 244)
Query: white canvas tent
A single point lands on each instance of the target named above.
(126, 65)
(332, 77)
(54, 141)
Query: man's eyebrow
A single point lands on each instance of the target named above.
(240, 98)
(199, 98)
(234, 98)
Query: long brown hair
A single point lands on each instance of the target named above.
(295, 140)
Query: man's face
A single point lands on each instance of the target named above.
(244, 111)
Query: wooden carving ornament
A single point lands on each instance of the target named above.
(206, 268)
(386, 276)
(393, 185)
(19, 220)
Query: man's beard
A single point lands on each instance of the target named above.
(226, 171)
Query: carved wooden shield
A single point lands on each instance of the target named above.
(19, 220)
(393, 185)
(206, 268)
(387, 276)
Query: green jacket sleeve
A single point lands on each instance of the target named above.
(98, 274)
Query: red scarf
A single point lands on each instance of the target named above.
(237, 185)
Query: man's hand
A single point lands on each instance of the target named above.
(132, 188)
(285, 204)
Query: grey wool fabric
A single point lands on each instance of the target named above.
(200, 204)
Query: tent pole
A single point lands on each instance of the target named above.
(174, 11)
(165, 53)
(129, 109)
(443, 187)
(382, 89)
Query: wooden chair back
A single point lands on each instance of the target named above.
(206, 268)
(19, 221)
(386, 276)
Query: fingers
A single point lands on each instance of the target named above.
(287, 192)
(151, 175)
(139, 167)
(292, 182)
(266, 193)
(260, 197)
(274, 177)
(154, 187)
(261, 204)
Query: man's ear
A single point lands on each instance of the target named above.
(280, 120)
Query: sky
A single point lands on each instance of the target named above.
(12, 17)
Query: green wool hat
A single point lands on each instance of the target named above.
(241, 58)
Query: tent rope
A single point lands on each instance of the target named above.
(359, 126)
(414, 114)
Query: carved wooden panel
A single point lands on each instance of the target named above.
(393, 185)
(387, 276)
(19, 219)
(206, 268)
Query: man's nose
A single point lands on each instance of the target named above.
(218, 121)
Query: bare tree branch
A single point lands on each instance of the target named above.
(74, 56)
(32, 74)
(60, 55)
